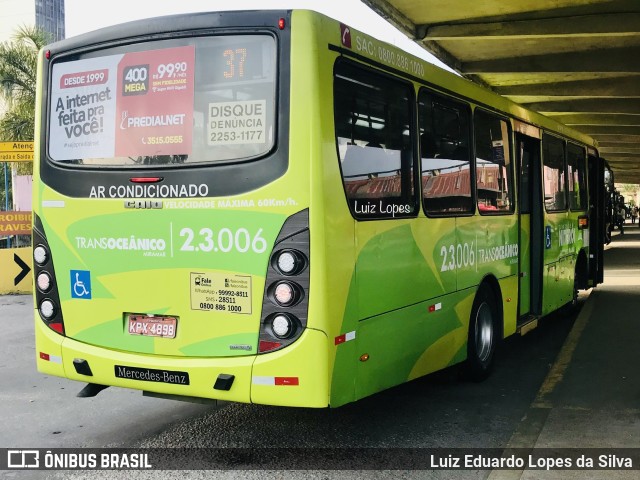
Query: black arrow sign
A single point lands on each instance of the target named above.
(25, 269)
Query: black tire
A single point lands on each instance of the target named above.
(483, 335)
(572, 307)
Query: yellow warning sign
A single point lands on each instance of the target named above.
(221, 292)
(15, 270)
(16, 151)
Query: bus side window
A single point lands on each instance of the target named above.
(494, 168)
(428, 145)
(444, 149)
(577, 177)
(553, 148)
(373, 124)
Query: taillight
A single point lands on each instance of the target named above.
(46, 292)
(286, 297)
(47, 309)
(289, 262)
(44, 282)
(282, 325)
(285, 293)
(40, 255)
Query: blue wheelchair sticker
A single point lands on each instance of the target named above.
(547, 237)
(81, 284)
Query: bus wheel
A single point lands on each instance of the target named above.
(579, 283)
(483, 335)
(574, 295)
(572, 307)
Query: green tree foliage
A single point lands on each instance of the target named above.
(3, 199)
(18, 67)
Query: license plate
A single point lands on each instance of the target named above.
(152, 325)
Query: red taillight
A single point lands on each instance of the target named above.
(281, 24)
(58, 327)
(266, 346)
(47, 54)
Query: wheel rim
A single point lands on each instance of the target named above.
(484, 332)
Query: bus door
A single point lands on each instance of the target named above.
(597, 219)
(530, 220)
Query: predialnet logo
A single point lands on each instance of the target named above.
(23, 459)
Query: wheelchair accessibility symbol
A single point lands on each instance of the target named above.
(81, 284)
(547, 237)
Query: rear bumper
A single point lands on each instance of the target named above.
(295, 376)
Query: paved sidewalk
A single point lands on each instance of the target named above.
(591, 396)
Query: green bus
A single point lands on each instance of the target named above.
(272, 207)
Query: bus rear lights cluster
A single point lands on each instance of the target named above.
(47, 299)
(285, 301)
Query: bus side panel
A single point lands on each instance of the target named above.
(344, 352)
(509, 289)
(494, 251)
(403, 310)
(395, 268)
(420, 339)
(562, 242)
(413, 341)
(487, 245)
(558, 284)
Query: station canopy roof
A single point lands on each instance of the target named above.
(577, 61)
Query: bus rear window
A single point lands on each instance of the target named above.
(178, 101)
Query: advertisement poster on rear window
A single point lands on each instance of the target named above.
(135, 104)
